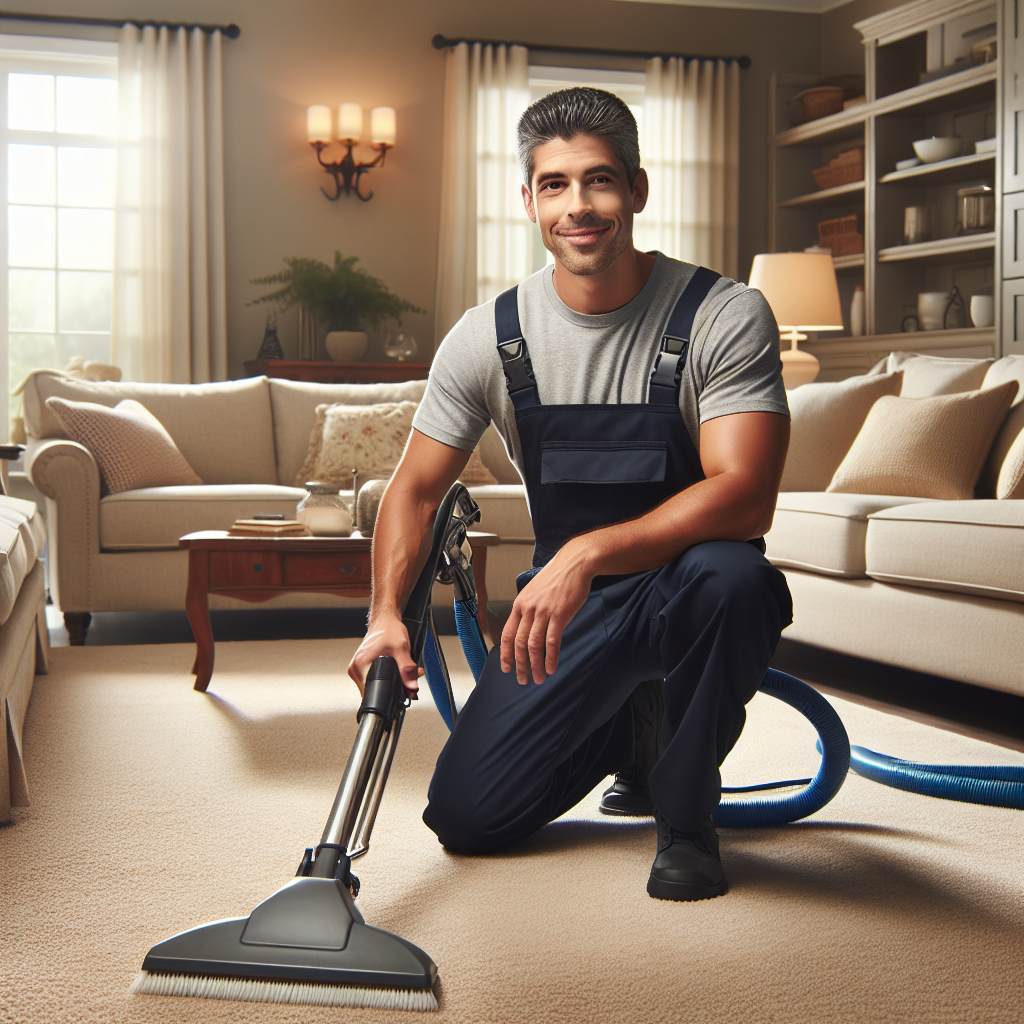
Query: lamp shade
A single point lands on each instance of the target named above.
(801, 289)
(318, 124)
(350, 122)
(382, 126)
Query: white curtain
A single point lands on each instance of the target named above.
(690, 148)
(170, 316)
(484, 243)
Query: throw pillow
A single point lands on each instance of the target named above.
(1011, 476)
(924, 447)
(476, 473)
(1002, 370)
(367, 438)
(825, 420)
(927, 376)
(130, 445)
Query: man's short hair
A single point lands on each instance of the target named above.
(580, 111)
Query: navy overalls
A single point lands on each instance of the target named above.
(707, 623)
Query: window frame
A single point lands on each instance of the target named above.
(48, 55)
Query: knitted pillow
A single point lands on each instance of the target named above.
(369, 439)
(1011, 475)
(924, 447)
(130, 445)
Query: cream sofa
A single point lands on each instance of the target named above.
(247, 440)
(936, 586)
(24, 640)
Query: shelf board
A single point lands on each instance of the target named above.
(943, 171)
(847, 124)
(942, 250)
(847, 262)
(884, 343)
(964, 89)
(825, 195)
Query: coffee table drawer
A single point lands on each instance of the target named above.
(243, 570)
(330, 570)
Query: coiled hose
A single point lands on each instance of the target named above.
(996, 786)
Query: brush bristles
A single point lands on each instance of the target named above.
(253, 991)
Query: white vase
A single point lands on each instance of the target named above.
(346, 346)
(857, 312)
(983, 313)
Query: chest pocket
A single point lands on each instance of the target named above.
(603, 462)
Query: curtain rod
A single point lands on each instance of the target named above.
(231, 31)
(441, 42)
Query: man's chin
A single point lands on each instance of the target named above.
(582, 263)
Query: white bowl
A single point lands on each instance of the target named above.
(346, 346)
(935, 149)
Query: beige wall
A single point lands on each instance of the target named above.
(378, 52)
(842, 51)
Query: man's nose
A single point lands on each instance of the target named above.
(580, 205)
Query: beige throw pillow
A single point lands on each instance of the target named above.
(924, 447)
(476, 473)
(1011, 476)
(825, 420)
(130, 445)
(928, 376)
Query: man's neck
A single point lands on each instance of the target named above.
(611, 289)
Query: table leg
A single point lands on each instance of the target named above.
(480, 574)
(197, 607)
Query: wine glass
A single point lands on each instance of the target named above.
(400, 347)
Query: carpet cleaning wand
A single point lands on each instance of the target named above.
(308, 943)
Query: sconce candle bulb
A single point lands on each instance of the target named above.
(382, 126)
(350, 122)
(318, 124)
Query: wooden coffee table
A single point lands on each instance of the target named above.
(259, 568)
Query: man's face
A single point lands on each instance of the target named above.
(580, 198)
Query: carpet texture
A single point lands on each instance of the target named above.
(155, 809)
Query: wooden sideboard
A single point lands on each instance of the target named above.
(318, 372)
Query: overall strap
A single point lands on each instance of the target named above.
(666, 378)
(515, 357)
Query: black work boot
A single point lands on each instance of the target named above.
(629, 795)
(687, 866)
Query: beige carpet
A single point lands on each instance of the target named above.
(156, 809)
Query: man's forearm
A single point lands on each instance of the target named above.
(401, 543)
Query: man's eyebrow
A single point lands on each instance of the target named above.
(600, 169)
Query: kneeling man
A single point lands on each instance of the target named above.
(641, 399)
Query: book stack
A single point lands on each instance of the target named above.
(268, 528)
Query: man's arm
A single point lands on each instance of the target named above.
(401, 543)
(742, 456)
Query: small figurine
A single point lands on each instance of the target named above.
(271, 347)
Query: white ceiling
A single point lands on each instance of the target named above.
(798, 6)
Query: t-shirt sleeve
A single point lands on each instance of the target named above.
(738, 366)
(454, 407)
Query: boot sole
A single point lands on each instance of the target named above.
(684, 892)
(622, 812)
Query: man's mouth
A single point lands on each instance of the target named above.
(582, 237)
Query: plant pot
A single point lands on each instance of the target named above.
(346, 346)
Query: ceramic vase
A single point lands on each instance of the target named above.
(346, 346)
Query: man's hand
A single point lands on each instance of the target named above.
(532, 637)
(387, 637)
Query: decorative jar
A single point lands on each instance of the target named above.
(324, 512)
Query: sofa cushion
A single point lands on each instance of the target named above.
(1010, 484)
(1002, 370)
(24, 515)
(825, 418)
(928, 447)
(14, 566)
(823, 532)
(294, 409)
(927, 376)
(128, 442)
(224, 430)
(155, 517)
(968, 547)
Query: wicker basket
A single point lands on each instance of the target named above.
(844, 169)
(843, 235)
(820, 101)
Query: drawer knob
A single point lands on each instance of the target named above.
(258, 566)
(348, 568)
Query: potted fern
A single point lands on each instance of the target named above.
(344, 298)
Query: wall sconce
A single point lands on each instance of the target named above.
(347, 171)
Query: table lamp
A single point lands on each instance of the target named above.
(802, 291)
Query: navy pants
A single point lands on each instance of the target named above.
(519, 756)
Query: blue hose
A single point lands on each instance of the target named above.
(835, 761)
(470, 637)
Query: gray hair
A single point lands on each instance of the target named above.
(580, 111)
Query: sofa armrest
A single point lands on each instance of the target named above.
(67, 474)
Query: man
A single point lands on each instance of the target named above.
(655, 613)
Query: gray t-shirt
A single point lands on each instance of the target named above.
(733, 363)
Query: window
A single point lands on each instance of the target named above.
(58, 159)
(627, 85)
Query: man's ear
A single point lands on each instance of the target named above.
(641, 190)
(528, 203)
